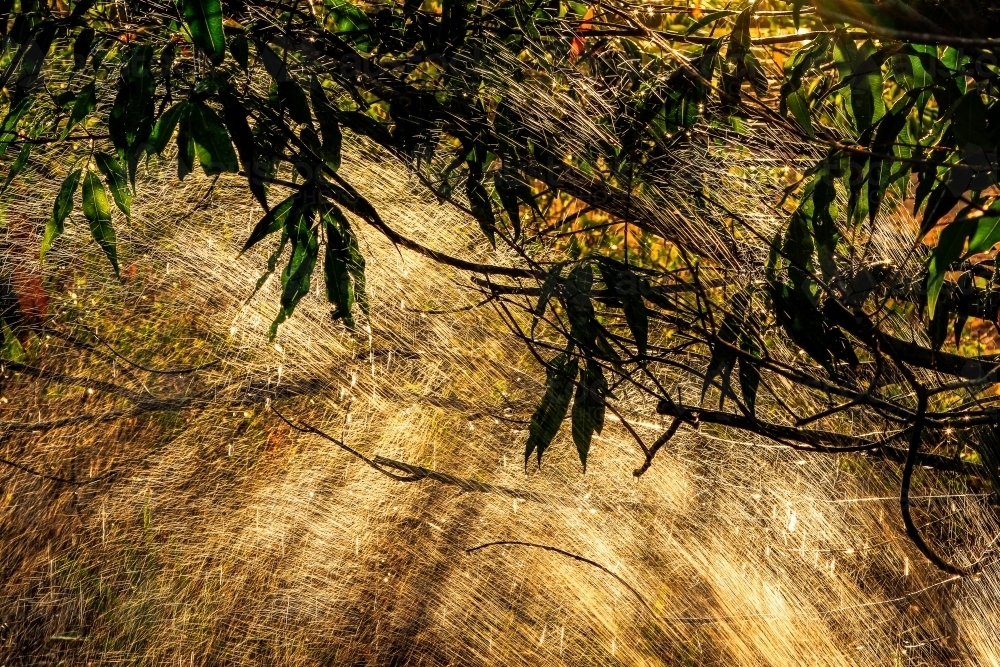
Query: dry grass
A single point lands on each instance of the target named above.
(224, 537)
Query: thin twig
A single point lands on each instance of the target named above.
(568, 554)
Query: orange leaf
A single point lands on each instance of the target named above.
(579, 41)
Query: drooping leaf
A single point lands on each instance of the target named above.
(861, 71)
(164, 128)
(329, 125)
(97, 210)
(548, 416)
(723, 358)
(588, 408)
(508, 193)
(239, 46)
(295, 278)
(482, 208)
(60, 211)
(337, 266)
(889, 129)
(749, 376)
(272, 221)
(19, 162)
(545, 294)
(584, 327)
(968, 120)
(167, 54)
(291, 97)
(82, 47)
(799, 107)
(86, 101)
(185, 146)
(204, 20)
(234, 114)
(8, 128)
(212, 145)
(117, 181)
(962, 238)
(627, 288)
(942, 199)
(131, 116)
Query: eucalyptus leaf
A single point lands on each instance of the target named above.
(204, 20)
(97, 210)
(60, 211)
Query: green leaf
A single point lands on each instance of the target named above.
(329, 125)
(339, 265)
(862, 72)
(948, 250)
(548, 416)
(204, 19)
(81, 48)
(234, 114)
(293, 98)
(710, 17)
(239, 46)
(910, 68)
(296, 276)
(968, 120)
(797, 104)
(60, 210)
(588, 408)
(986, 235)
(164, 128)
(86, 101)
(272, 221)
(351, 23)
(116, 179)
(185, 147)
(8, 128)
(131, 116)
(97, 210)
(15, 169)
(211, 140)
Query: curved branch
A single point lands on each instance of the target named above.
(904, 495)
(567, 554)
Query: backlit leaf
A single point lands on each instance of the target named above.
(117, 181)
(97, 210)
(86, 101)
(60, 211)
(204, 19)
(211, 140)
